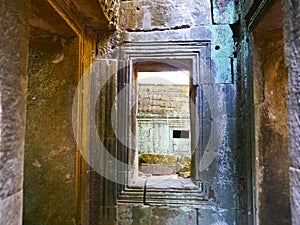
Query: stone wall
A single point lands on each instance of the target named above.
(167, 101)
(164, 15)
(228, 183)
(245, 154)
(134, 214)
(111, 11)
(292, 43)
(49, 185)
(162, 109)
(14, 26)
(61, 187)
(270, 81)
(262, 83)
(146, 23)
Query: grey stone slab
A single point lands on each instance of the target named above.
(222, 70)
(224, 12)
(295, 195)
(230, 91)
(294, 125)
(11, 209)
(152, 15)
(231, 134)
(218, 35)
(13, 60)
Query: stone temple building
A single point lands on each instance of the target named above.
(85, 141)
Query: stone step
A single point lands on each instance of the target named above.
(163, 190)
(157, 202)
(158, 196)
(162, 195)
(164, 200)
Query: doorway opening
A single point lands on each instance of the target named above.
(163, 127)
(270, 79)
(163, 123)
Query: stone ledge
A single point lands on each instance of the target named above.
(160, 164)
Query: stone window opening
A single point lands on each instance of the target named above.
(162, 160)
(181, 133)
(170, 189)
(163, 111)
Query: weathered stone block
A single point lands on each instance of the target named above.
(11, 173)
(14, 26)
(163, 164)
(164, 15)
(158, 215)
(157, 158)
(293, 96)
(224, 11)
(11, 209)
(295, 195)
(222, 70)
(157, 169)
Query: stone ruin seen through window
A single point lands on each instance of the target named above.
(163, 128)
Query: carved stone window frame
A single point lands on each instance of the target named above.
(196, 52)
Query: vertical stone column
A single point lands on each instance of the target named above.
(292, 53)
(97, 142)
(14, 30)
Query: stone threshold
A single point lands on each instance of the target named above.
(163, 190)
